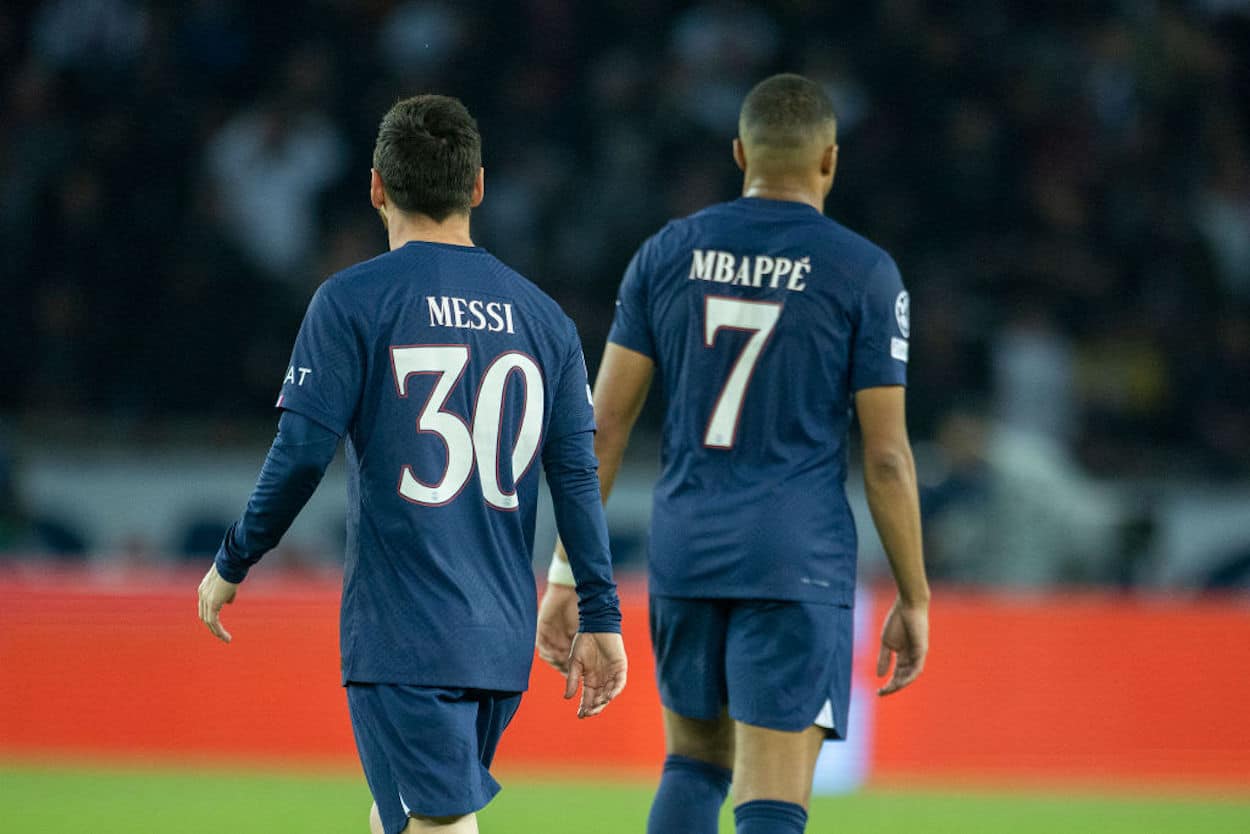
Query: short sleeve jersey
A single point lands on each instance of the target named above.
(446, 372)
(763, 318)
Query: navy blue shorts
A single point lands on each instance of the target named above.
(775, 664)
(427, 750)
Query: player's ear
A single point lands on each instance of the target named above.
(829, 160)
(740, 156)
(377, 194)
(479, 189)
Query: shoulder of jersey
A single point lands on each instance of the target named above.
(856, 254)
(869, 253)
(675, 233)
(529, 292)
(857, 251)
(375, 267)
(381, 268)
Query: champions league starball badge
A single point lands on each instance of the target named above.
(902, 312)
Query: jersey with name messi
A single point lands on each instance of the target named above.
(763, 318)
(449, 376)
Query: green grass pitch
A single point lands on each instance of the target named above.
(43, 798)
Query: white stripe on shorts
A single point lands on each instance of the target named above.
(825, 717)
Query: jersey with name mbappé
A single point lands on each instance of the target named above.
(446, 372)
(763, 318)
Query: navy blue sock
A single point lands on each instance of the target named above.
(769, 816)
(689, 797)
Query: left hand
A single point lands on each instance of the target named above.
(557, 624)
(905, 639)
(598, 662)
(215, 593)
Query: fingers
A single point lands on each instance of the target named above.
(883, 666)
(883, 660)
(905, 637)
(890, 688)
(617, 685)
(598, 663)
(905, 672)
(601, 685)
(574, 677)
(211, 619)
(589, 704)
(202, 600)
(214, 592)
(553, 650)
(554, 660)
(596, 698)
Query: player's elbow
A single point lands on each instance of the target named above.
(888, 464)
(612, 427)
(308, 471)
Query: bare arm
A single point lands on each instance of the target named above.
(890, 483)
(890, 480)
(621, 389)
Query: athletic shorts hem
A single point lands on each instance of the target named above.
(478, 802)
(796, 726)
(686, 712)
(427, 751)
(772, 663)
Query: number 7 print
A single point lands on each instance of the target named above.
(758, 318)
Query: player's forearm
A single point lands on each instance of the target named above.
(570, 468)
(611, 439)
(620, 392)
(296, 462)
(890, 483)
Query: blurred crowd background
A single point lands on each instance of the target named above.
(1065, 186)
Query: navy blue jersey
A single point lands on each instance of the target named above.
(763, 318)
(449, 376)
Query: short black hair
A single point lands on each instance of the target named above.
(428, 154)
(785, 111)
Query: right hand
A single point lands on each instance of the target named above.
(905, 635)
(557, 625)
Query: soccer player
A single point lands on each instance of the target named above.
(769, 324)
(448, 375)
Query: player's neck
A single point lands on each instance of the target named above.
(780, 189)
(407, 228)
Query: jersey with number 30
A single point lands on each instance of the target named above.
(450, 376)
(763, 318)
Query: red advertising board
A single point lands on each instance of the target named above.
(1054, 688)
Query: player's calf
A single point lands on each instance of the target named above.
(773, 778)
